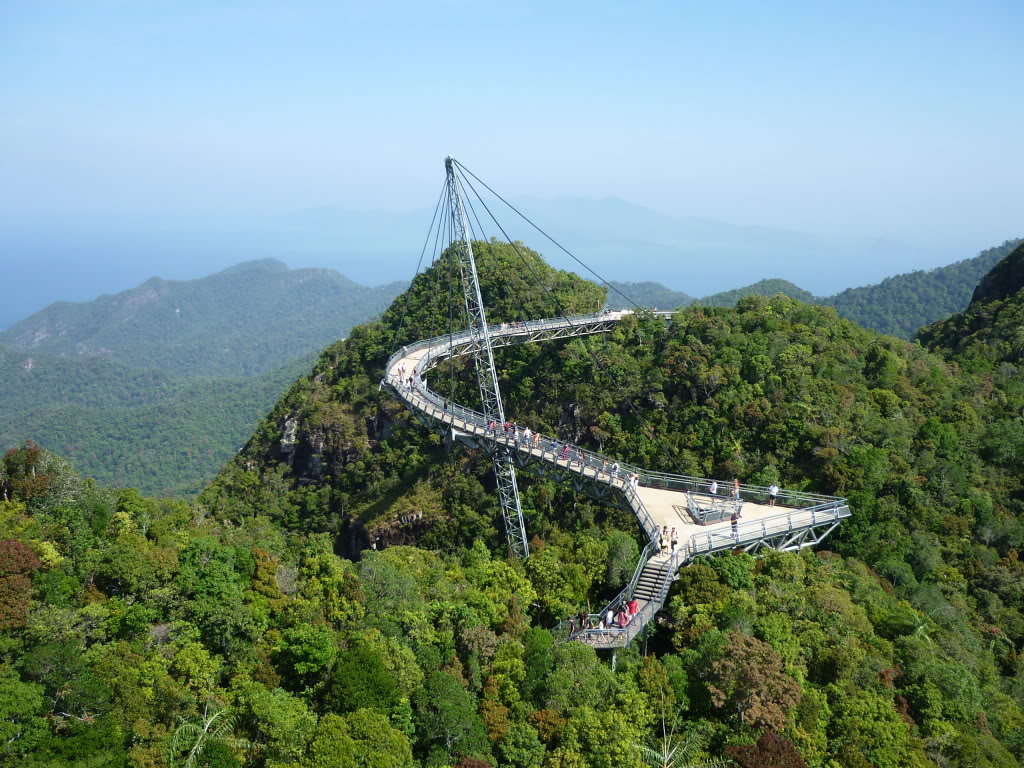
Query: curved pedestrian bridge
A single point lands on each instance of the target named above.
(703, 520)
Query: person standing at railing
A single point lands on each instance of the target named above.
(536, 439)
(675, 540)
(527, 436)
(735, 521)
(713, 488)
(736, 489)
(773, 494)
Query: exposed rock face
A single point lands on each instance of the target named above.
(1005, 279)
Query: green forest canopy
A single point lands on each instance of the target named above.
(134, 630)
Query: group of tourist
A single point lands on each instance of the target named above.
(571, 454)
(666, 537)
(610, 619)
(406, 383)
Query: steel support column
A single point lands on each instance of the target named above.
(483, 358)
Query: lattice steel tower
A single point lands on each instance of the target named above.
(483, 358)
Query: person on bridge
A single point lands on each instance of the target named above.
(623, 619)
(674, 539)
(536, 439)
(565, 451)
(773, 494)
(609, 619)
(736, 489)
(632, 606)
(713, 488)
(735, 521)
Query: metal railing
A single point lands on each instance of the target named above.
(563, 454)
(598, 634)
(739, 533)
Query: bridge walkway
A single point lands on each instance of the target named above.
(659, 500)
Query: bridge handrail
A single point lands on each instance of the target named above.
(636, 623)
(627, 591)
(708, 541)
(547, 444)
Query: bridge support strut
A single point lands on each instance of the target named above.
(483, 358)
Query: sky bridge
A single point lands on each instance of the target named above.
(702, 519)
(707, 518)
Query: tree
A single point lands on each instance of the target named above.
(21, 703)
(750, 679)
(195, 738)
(361, 680)
(306, 653)
(672, 750)
(17, 562)
(362, 739)
(448, 716)
(771, 751)
(521, 747)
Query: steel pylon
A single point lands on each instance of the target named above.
(461, 250)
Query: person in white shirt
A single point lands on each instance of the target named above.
(713, 489)
(773, 493)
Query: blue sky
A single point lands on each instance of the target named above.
(848, 121)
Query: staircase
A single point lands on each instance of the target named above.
(652, 577)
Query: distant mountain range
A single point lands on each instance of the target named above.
(619, 239)
(898, 305)
(246, 320)
(157, 386)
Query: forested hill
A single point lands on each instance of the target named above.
(901, 649)
(645, 294)
(760, 288)
(246, 320)
(157, 431)
(899, 305)
(902, 304)
(990, 331)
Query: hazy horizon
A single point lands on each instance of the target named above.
(175, 139)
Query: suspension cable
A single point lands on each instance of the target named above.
(549, 237)
(561, 311)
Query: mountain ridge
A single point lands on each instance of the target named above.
(195, 327)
